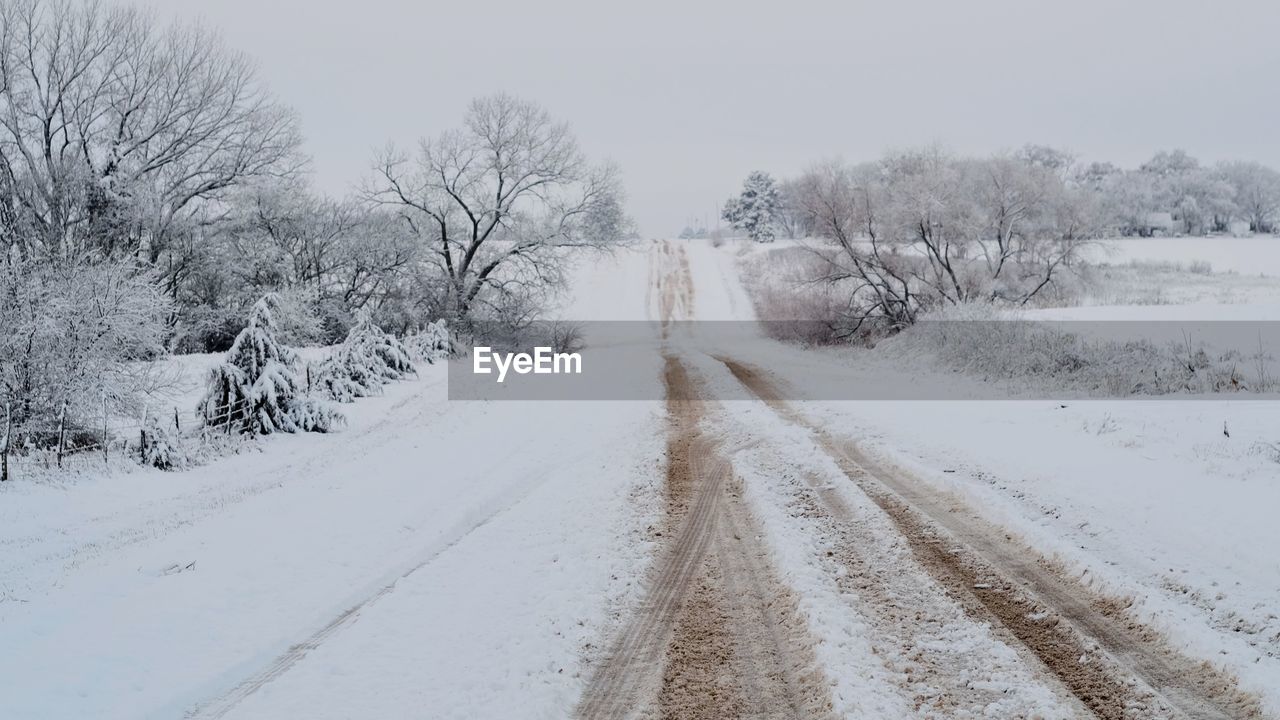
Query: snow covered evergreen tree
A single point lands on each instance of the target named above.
(392, 357)
(256, 388)
(431, 343)
(161, 448)
(364, 362)
(756, 208)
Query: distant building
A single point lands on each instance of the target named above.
(1159, 223)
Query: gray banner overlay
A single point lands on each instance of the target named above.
(938, 360)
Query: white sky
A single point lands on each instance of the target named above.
(689, 96)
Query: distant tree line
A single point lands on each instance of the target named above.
(925, 228)
(1170, 194)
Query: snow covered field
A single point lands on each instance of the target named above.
(1246, 256)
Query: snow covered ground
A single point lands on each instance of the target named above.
(1149, 500)
(474, 558)
(1256, 255)
(467, 555)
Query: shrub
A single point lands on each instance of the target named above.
(256, 388)
(431, 343)
(365, 361)
(978, 340)
(162, 449)
(75, 335)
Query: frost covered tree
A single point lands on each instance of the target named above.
(1057, 161)
(1197, 198)
(924, 229)
(113, 128)
(330, 258)
(791, 217)
(500, 204)
(256, 387)
(73, 338)
(754, 210)
(1257, 193)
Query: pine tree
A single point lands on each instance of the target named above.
(364, 362)
(391, 357)
(256, 388)
(431, 343)
(160, 448)
(756, 208)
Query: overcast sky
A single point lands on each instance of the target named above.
(687, 97)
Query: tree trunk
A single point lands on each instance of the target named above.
(62, 432)
(4, 449)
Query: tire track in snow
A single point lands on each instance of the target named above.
(716, 635)
(1115, 666)
(486, 512)
(779, 672)
(630, 674)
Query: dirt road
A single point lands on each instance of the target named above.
(1116, 667)
(719, 635)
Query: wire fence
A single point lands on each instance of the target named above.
(68, 444)
(80, 443)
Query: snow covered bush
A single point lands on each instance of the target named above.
(790, 306)
(923, 229)
(161, 448)
(978, 340)
(363, 363)
(74, 336)
(349, 373)
(391, 356)
(431, 343)
(312, 415)
(256, 388)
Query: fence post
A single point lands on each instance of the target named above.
(177, 427)
(62, 432)
(105, 458)
(4, 451)
(142, 436)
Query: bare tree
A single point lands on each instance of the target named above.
(922, 228)
(110, 128)
(327, 257)
(499, 202)
(845, 204)
(791, 217)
